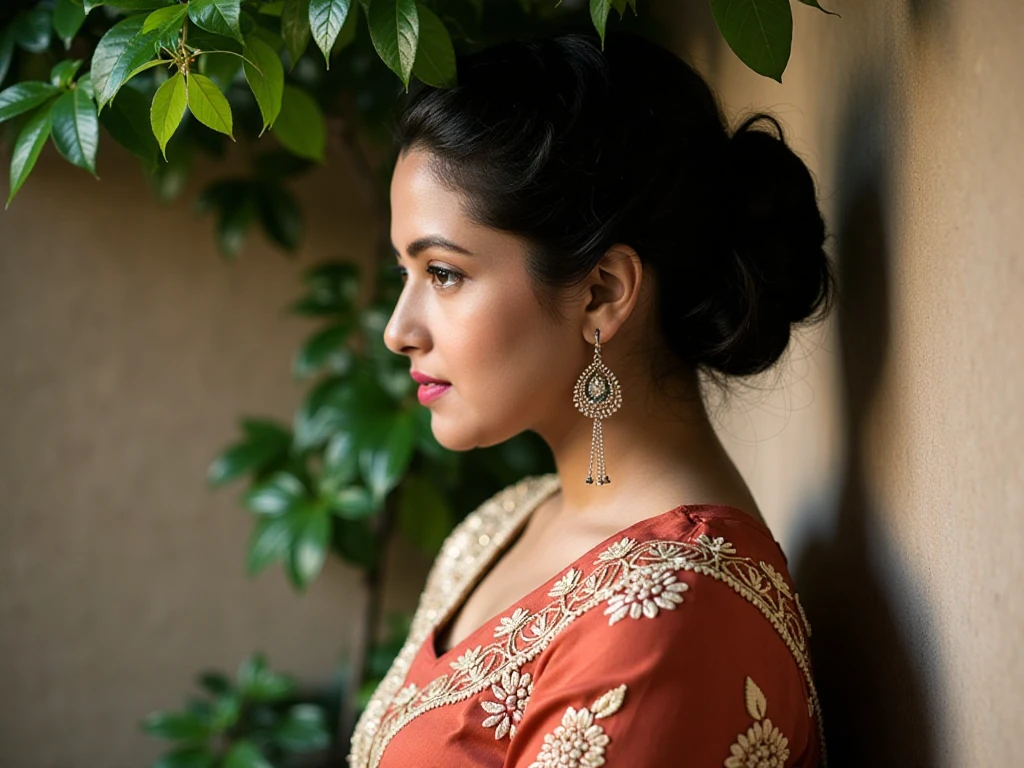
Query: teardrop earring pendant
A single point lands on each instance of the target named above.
(597, 395)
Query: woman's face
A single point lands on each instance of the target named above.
(471, 318)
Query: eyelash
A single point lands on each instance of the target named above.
(433, 270)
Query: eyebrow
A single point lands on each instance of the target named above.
(431, 241)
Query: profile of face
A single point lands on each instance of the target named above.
(468, 315)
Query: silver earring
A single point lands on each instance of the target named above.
(597, 395)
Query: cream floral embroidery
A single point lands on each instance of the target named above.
(470, 662)
(619, 549)
(405, 695)
(466, 552)
(718, 545)
(566, 584)
(511, 624)
(763, 745)
(512, 697)
(579, 742)
(776, 579)
(643, 593)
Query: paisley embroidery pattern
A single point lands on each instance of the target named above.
(512, 697)
(633, 579)
(579, 742)
(763, 745)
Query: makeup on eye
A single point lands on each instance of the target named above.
(437, 272)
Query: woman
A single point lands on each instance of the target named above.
(579, 236)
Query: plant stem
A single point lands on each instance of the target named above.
(373, 581)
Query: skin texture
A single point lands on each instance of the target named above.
(513, 367)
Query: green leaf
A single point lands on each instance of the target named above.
(265, 75)
(165, 20)
(424, 515)
(353, 503)
(295, 28)
(348, 30)
(21, 97)
(340, 463)
(266, 443)
(271, 540)
(309, 548)
(257, 682)
(225, 713)
(67, 20)
(279, 214)
(355, 542)
(233, 225)
(245, 754)
(64, 72)
(127, 120)
(220, 17)
(187, 757)
(167, 109)
(760, 32)
(319, 347)
(300, 127)
(76, 129)
(304, 729)
(129, 5)
(85, 85)
(280, 494)
(814, 4)
(435, 56)
(383, 464)
(118, 54)
(394, 30)
(599, 10)
(208, 104)
(6, 51)
(216, 683)
(326, 18)
(175, 725)
(147, 65)
(27, 148)
(32, 29)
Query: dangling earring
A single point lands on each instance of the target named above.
(597, 395)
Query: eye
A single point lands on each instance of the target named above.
(438, 272)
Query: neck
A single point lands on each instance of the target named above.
(660, 451)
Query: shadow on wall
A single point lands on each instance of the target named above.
(873, 694)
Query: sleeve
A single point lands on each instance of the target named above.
(632, 683)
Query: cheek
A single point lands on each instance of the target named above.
(508, 353)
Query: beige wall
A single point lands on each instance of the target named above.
(885, 452)
(127, 360)
(888, 459)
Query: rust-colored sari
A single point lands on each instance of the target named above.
(678, 642)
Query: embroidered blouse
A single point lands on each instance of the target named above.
(679, 642)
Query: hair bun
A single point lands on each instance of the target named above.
(781, 273)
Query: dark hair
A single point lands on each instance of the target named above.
(574, 149)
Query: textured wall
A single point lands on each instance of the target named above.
(129, 350)
(887, 452)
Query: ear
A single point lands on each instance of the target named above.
(613, 287)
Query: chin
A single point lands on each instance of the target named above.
(460, 434)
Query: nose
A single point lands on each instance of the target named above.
(403, 333)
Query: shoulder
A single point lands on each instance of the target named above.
(697, 629)
(700, 583)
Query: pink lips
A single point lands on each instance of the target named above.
(428, 393)
(430, 388)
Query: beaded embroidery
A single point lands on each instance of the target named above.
(763, 744)
(579, 742)
(632, 579)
